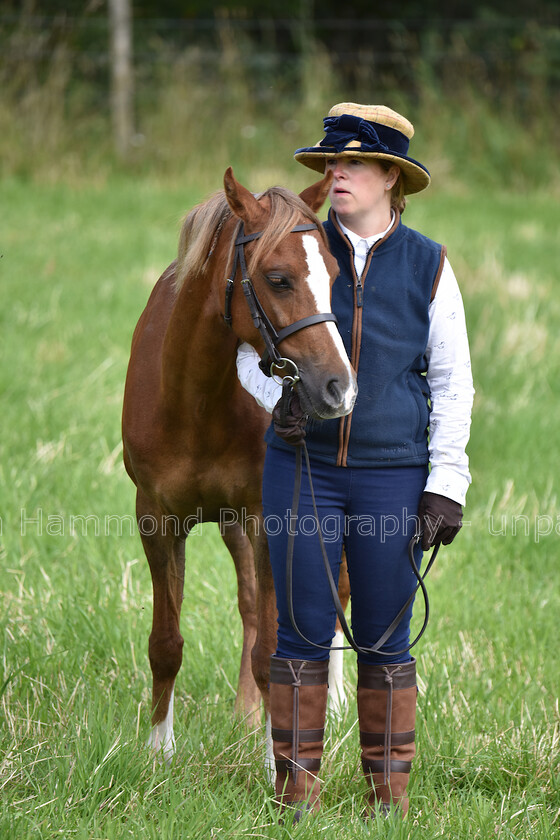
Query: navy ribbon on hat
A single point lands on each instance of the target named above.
(339, 131)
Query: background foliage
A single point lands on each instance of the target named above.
(252, 81)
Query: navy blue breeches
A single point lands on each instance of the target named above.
(373, 514)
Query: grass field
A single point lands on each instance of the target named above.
(76, 266)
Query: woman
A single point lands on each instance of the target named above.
(395, 466)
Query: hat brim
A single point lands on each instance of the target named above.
(415, 176)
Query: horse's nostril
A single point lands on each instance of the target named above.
(334, 392)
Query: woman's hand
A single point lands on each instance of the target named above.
(289, 419)
(440, 519)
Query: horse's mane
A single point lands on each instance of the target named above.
(203, 224)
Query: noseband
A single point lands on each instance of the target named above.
(272, 363)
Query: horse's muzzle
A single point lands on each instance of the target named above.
(333, 398)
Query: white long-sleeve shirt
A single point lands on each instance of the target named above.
(449, 377)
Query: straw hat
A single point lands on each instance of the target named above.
(369, 132)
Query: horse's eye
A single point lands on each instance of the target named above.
(278, 282)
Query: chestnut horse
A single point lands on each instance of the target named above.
(193, 438)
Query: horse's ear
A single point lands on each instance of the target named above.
(315, 195)
(242, 202)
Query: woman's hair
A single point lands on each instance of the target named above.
(398, 198)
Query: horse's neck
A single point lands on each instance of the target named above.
(199, 353)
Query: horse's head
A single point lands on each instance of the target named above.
(291, 273)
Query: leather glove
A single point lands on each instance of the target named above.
(440, 519)
(289, 418)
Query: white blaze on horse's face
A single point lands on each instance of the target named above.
(319, 284)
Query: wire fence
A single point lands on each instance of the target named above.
(232, 81)
(506, 52)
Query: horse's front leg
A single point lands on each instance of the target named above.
(247, 702)
(265, 643)
(337, 693)
(267, 615)
(165, 550)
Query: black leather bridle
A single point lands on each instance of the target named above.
(272, 362)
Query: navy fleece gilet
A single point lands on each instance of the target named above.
(383, 320)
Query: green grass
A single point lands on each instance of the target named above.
(76, 267)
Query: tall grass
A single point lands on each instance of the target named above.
(82, 241)
(77, 265)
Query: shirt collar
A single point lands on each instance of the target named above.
(369, 240)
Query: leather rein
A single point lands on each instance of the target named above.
(272, 363)
(301, 450)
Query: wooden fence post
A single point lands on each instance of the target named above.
(122, 82)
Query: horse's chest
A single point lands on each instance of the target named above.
(208, 487)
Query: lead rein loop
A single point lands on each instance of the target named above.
(376, 648)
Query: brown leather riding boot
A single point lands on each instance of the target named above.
(298, 702)
(387, 716)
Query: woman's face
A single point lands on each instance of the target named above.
(360, 189)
